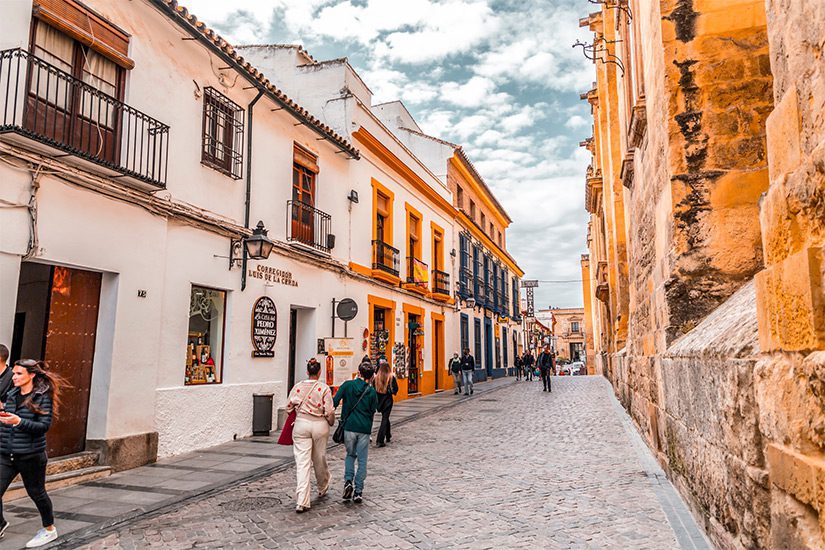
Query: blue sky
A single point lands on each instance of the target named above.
(498, 76)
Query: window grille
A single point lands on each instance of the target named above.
(223, 122)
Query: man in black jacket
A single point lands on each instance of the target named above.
(528, 361)
(5, 374)
(468, 365)
(545, 363)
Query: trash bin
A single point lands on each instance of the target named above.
(261, 413)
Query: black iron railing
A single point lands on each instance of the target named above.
(417, 272)
(441, 282)
(309, 226)
(385, 258)
(44, 103)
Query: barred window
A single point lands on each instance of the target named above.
(222, 134)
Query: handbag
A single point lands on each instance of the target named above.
(338, 435)
(286, 432)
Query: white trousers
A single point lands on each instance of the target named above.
(310, 438)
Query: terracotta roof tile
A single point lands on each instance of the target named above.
(185, 18)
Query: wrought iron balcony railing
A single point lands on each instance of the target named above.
(441, 282)
(417, 273)
(45, 104)
(309, 226)
(385, 258)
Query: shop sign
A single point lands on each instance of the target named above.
(264, 327)
(272, 275)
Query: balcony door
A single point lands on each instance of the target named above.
(303, 204)
(73, 94)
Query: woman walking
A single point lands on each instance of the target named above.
(27, 417)
(386, 386)
(312, 400)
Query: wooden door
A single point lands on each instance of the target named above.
(303, 205)
(70, 347)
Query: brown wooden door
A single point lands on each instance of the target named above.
(70, 348)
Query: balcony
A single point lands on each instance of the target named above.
(385, 262)
(441, 285)
(309, 226)
(50, 109)
(417, 276)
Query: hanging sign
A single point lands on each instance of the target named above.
(264, 327)
(347, 309)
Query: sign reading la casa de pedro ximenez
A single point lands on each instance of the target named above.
(264, 327)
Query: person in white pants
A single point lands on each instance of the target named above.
(315, 414)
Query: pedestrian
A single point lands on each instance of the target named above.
(518, 365)
(5, 374)
(24, 422)
(528, 365)
(468, 366)
(360, 404)
(455, 370)
(545, 363)
(312, 401)
(386, 386)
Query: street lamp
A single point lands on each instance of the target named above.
(257, 246)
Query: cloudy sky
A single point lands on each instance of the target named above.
(498, 76)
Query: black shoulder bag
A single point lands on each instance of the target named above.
(338, 435)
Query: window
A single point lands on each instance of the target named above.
(459, 197)
(414, 236)
(492, 231)
(472, 211)
(464, 266)
(465, 332)
(223, 122)
(59, 107)
(483, 221)
(574, 326)
(477, 337)
(306, 226)
(438, 248)
(382, 216)
(204, 344)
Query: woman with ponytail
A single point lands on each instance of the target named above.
(28, 413)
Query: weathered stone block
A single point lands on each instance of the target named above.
(734, 17)
(790, 305)
(783, 127)
(799, 475)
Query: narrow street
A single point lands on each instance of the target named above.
(510, 468)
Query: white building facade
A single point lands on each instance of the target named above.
(138, 150)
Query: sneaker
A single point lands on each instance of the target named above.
(471, 392)
(381, 444)
(357, 498)
(348, 489)
(43, 537)
(301, 509)
(3, 529)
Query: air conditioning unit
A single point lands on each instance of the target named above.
(330, 241)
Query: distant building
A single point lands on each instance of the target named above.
(568, 332)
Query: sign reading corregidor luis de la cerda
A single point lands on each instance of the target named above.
(272, 275)
(264, 327)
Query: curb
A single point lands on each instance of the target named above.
(94, 532)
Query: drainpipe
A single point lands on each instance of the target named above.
(249, 109)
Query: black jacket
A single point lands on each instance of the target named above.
(455, 364)
(467, 362)
(545, 361)
(29, 436)
(5, 383)
(528, 360)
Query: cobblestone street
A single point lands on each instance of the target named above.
(513, 468)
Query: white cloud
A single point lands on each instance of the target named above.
(576, 121)
(476, 92)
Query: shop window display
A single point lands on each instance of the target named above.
(204, 347)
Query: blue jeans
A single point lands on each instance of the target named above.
(357, 445)
(468, 381)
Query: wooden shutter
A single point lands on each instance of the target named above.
(305, 159)
(87, 27)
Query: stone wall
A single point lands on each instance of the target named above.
(790, 380)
